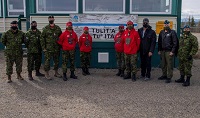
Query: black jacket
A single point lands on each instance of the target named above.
(148, 42)
(168, 41)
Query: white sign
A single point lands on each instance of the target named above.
(101, 27)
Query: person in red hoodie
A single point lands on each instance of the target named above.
(68, 40)
(131, 40)
(85, 44)
(119, 48)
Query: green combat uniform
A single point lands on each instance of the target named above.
(34, 56)
(188, 48)
(48, 40)
(13, 51)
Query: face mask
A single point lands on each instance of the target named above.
(86, 32)
(33, 27)
(121, 30)
(186, 32)
(51, 21)
(167, 28)
(14, 27)
(130, 27)
(145, 25)
(69, 28)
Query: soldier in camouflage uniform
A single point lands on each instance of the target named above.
(188, 48)
(85, 44)
(13, 40)
(68, 40)
(34, 56)
(50, 47)
(119, 48)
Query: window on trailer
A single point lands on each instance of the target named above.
(151, 6)
(104, 6)
(15, 7)
(57, 6)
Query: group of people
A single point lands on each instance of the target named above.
(128, 42)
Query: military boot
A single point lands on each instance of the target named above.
(133, 78)
(47, 75)
(87, 71)
(122, 73)
(57, 74)
(64, 77)
(162, 78)
(84, 71)
(73, 75)
(168, 80)
(119, 72)
(30, 77)
(9, 79)
(187, 82)
(19, 76)
(181, 80)
(127, 76)
(37, 73)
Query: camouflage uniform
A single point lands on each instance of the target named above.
(188, 47)
(48, 41)
(131, 63)
(34, 49)
(68, 55)
(120, 60)
(85, 59)
(13, 52)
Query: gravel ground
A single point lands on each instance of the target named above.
(100, 95)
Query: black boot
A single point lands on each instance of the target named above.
(9, 79)
(19, 76)
(162, 78)
(84, 71)
(30, 77)
(119, 72)
(181, 80)
(133, 78)
(37, 73)
(64, 77)
(73, 75)
(187, 82)
(122, 73)
(87, 71)
(168, 80)
(127, 76)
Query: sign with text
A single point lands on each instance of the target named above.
(101, 27)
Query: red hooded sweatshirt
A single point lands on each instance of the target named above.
(119, 43)
(85, 43)
(68, 40)
(131, 40)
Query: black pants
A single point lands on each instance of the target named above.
(145, 65)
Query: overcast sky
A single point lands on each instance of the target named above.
(191, 7)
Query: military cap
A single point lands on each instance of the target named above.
(14, 22)
(121, 26)
(86, 28)
(166, 22)
(69, 24)
(51, 16)
(129, 23)
(146, 20)
(186, 26)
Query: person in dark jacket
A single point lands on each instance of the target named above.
(167, 46)
(147, 46)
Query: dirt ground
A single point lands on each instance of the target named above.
(100, 95)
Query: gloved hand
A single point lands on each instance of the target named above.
(189, 57)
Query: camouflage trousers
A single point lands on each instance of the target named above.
(47, 59)
(34, 60)
(11, 59)
(120, 60)
(85, 59)
(185, 67)
(131, 63)
(68, 56)
(167, 62)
